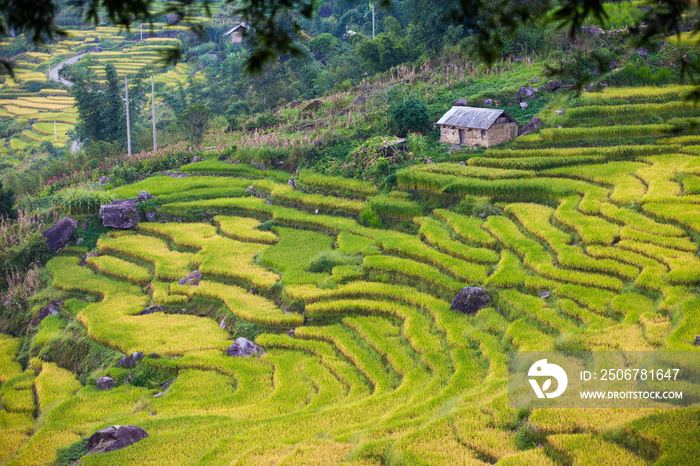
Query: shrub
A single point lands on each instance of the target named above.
(325, 261)
(411, 115)
(528, 436)
(7, 200)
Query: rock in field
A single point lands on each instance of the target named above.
(530, 127)
(553, 85)
(545, 294)
(525, 93)
(114, 438)
(105, 383)
(120, 214)
(144, 196)
(561, 111)
(130, 361)
(151, 309)
(524, 105)
(471, 300)
(48, 310)
(192, 279)
(243, 348)
(461, 102)
(58, 235)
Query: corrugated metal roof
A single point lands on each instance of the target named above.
(235, 28)
(470, 117)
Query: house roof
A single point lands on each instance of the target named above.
(235, 28)
(471, 117)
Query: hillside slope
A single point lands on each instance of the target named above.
(378, 368)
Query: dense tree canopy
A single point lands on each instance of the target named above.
(276, 23)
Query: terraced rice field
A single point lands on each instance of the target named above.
(379, 369)
(38, 111)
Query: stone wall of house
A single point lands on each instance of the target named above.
(236, 37)
(497, 134)
(501, 133)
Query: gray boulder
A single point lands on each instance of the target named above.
(530, 126)
(48, 310)
(591, 30)
(561, 111)
(173, 19)
(524, 105)
(488, 102)
(642, 52)
(192, 279)
(545, 294)
(105, 383)
(243, 348)
(471, 300)
(120, 214)
(114, 438)
(461, 103)
(58, 235)
(144, 196)
(151, 309)
(553, 85)
(150, 217)
(130, 361)
(534, 80)
(696, 342)
(525, 93)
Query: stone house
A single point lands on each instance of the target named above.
(472, 126)
(235, 34)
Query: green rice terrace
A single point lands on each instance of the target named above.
(364, 361)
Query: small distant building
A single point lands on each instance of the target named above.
(472, 126)
(235, 34)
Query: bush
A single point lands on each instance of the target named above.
(325, 261)
(528, 436)
(411, 115)
(7, 200)
(263, 121)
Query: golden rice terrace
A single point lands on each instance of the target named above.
(365, 362)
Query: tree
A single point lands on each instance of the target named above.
(324, 46)
(7, 200)
(276, 30)
(101, 112)
(194, 122)
(411, 115)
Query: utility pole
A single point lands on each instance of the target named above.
(372, 5)
(128, 125)
(141, 29)
(153, 117)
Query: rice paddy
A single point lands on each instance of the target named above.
(379, 368)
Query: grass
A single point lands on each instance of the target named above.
(292, 254)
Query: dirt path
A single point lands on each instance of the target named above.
(53, 72)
